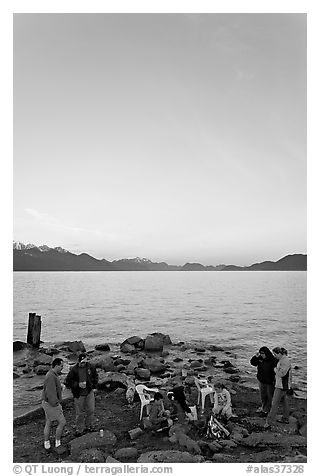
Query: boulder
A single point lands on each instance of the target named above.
(127, 348)
(142, 373)
(126, 454)
(121, 380)
(103, 362)
(92, 440)
(168, 456)
(92, 455)
(41, 369)
(132, 344)
(75, 346)
(154, 365)
(164, 337)
(153, 343)
(19, 345)
(102, 347)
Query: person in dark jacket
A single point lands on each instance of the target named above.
(265, 362)
(82, 379)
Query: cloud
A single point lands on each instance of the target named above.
(51, 222)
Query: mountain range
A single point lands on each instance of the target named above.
(43, 258)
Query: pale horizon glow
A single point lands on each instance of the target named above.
(174, 137)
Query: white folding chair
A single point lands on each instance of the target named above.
(204, 389)
(145, 397)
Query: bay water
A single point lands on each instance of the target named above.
(237, 310)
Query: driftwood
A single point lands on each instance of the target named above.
(123, 380)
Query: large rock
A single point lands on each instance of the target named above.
(102, 347)
(75, 346)
(92, 455)
(164, 337)
(153, 343)
(120, 379)
(103, 362)
(132, 344)
(92, 440)
(126, 454)
(19, 345)
(142, 373)
(169, 456)
(41, 369)
(154, 365)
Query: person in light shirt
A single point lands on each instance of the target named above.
(282, 386)
(222, 402)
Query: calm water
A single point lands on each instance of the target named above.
(240, 311)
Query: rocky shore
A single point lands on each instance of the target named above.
(156, 362)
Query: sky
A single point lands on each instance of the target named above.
(175, 137)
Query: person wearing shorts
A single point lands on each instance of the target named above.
(51, 403)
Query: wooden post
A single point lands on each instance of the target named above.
(34, 330)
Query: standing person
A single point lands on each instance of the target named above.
(82, 379)
(222, 402)
(265, 362)
(282, 385)
(51, 403)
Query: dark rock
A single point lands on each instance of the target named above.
(142, 373)
(127, 348)
(195, 364)
(102, 347)
(200, 349)
(231, 370)
(104, 362)
(168, 456)
(153, 343)
(154, 365)
(91, 455)
(165, 353)
(177, 359)
(215, 348)
(234, 378)
(121, 361)
(26, 370)
(164, 337)
(92, 440)
(126, 454)
(136, 341)
(15, 375)
(61, 450)
(41, 369)
(75, 346)
(19, 345)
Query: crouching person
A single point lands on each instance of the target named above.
(82, 379)
(51, 403)
(222, 402)
(158, 416)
